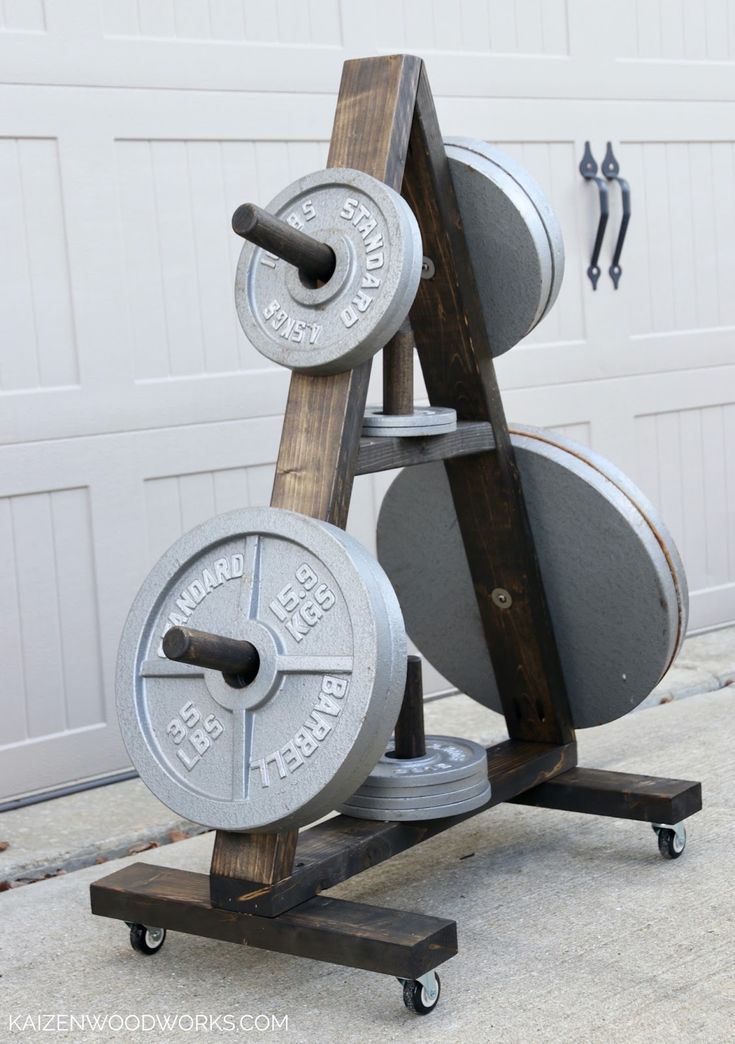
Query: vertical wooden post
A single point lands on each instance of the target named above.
(323, 420)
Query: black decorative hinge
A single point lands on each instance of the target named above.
(611, 170)
(588, 170)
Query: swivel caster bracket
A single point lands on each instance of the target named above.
(672, 839)
(421, 995)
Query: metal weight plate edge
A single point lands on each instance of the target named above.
(391, 637)
(538, 199)
(626, 486)
(526, 195)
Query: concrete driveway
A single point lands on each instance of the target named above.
(571, 928)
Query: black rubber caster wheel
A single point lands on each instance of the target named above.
(670, 844)
(417, 998)
(146, 940)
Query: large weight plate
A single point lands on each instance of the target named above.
(612, 575)
(514, 239)
(377, 244)
(303, 735)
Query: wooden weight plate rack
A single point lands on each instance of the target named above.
(265, 890)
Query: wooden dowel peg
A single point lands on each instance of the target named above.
(398, 373)
(410, 736)
(238, 660)
(314, 259)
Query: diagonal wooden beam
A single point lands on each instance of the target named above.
(457, 362)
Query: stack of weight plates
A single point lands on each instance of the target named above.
(449, 779)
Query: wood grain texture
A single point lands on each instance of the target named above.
(393, 942)
(268, 860)
(321, 429)
(619, 794)
(339, 848)
(323, 420)
(457, 363)
(398, 372)
(385, 453)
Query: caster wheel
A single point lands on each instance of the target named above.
(671, 842)
(146, 940)
(421, 996)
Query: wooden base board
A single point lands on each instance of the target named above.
(354, 934)
(619, 794)
(341, 847)
(290, 917)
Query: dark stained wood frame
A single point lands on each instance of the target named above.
(264, 889)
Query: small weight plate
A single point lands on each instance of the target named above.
(433, 797)
(514, 239)
(443, 810)
(447, 759)
(300, 738)
(425, 420)
(612, 576)
(451, 777)
(335, 326)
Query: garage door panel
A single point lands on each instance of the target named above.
(55, 670)
(689, 468)
(517, 27)
(70, 756)
(11, 637)
(579, 431)
(676, 31)
(177, 201)
(676, 275)
(27, 16)
(177, 503)
(37, 339)
(553, 165)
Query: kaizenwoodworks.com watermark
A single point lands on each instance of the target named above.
(145, 1022)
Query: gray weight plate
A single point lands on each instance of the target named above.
(302, 736)
(514, 239)
(451, 777)
(447, 759)
(433, 797)
(403, 793)
(613, 474)
(410, 814)
(612, 576)
(333, 327)
(425, 420)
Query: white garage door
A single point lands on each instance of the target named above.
(133, 408)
